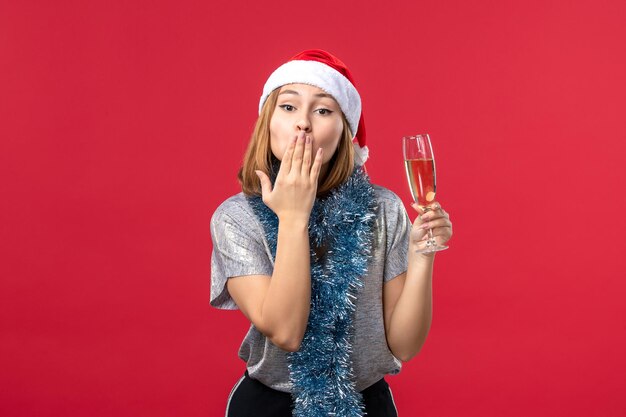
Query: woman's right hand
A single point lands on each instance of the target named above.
(295, 187)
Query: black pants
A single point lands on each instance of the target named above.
(251, 398)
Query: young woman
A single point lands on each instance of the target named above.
(321, 261)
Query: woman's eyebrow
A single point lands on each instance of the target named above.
(288, 92)
(296, 93)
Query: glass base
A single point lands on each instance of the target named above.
(431, 247)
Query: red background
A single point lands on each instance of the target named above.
(122, 125)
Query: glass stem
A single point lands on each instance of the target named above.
(430, 243)
(431, 239)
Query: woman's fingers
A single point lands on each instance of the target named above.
(317, 165)
(306, 157)
(435, 220)
(285, 164)
(433, 224)
(296, 161)
(435, 211)
(298, 158)
(436, 217)
(266, 184)
(422, 214)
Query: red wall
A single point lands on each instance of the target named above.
(122, 125)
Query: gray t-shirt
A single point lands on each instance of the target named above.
(240, 248)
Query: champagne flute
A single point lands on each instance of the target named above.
(419, 162)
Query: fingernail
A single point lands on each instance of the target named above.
(308, 139)
(424, 226)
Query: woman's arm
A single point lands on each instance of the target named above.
(407, 299)
(279, 307)
(408, 310)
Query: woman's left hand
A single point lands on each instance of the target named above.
(435, 219)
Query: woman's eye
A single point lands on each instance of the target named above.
(287, 107)
(324, 111)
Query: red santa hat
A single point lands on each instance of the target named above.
(324, 70)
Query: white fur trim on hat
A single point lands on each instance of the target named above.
(322, 76)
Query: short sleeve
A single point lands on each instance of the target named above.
(398, 229)
(238, 250)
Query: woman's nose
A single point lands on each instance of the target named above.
(303, 124)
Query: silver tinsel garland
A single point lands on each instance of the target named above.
(341, 225)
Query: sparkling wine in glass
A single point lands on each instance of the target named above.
(419, 162)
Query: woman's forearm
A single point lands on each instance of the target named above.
(412, 314)
(286, 306)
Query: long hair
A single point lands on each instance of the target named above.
(259, 155)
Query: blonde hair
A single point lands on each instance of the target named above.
(259, 155)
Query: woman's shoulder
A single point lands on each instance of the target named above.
(386, 197)
(234, 209)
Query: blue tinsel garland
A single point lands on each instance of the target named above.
(342, 223)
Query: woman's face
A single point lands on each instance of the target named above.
(302, 107)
